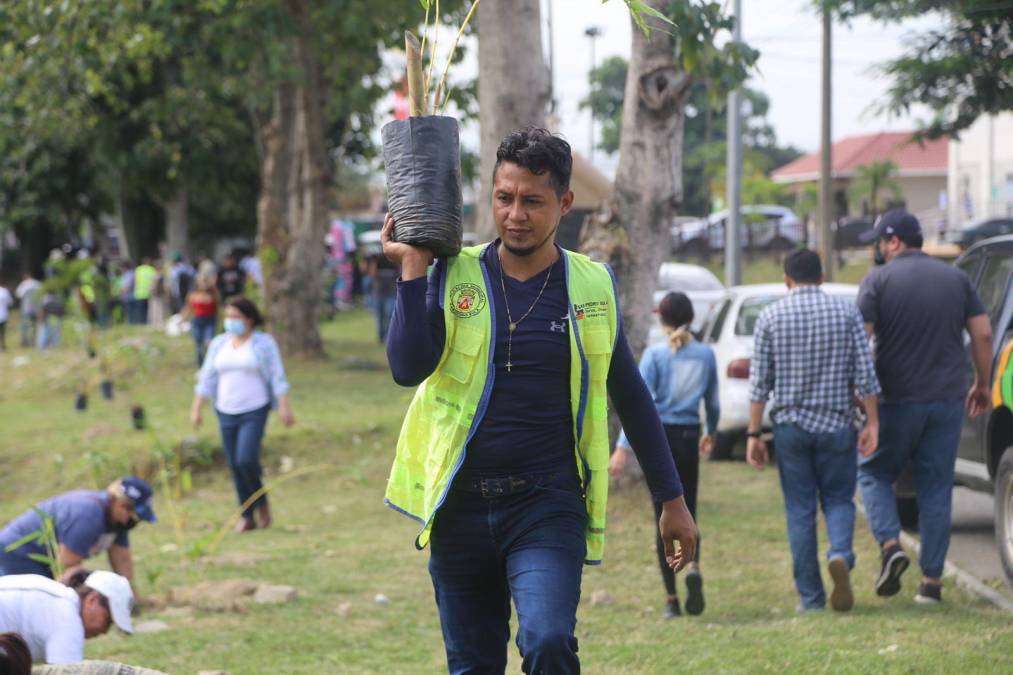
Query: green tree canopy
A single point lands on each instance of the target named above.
(961, 70)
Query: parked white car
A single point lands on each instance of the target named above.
(698, 283)
(729, 332)
(765, 226)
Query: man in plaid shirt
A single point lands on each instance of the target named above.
(812, 352)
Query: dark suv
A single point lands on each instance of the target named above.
(985, 457)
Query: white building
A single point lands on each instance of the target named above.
(980, 176)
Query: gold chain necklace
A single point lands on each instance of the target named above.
(506, 303)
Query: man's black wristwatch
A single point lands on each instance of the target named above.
(753, 434)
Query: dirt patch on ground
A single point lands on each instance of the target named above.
(229, 595)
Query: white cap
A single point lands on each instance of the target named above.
(116, 589)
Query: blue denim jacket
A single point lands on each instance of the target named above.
(268, 359)
(678, 382)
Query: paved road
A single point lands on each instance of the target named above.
(972, 542)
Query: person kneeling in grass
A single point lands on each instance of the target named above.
(55, 620)
(86, 523)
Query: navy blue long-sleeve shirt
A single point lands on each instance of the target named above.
(527, 427)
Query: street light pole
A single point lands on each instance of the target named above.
(592, 33)
(733, 171)
(826, 159)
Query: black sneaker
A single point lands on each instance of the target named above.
(895, 561)
(694, 589)
(672, 609)
(929, 594)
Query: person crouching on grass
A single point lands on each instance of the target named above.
(811, 351)
(243, 375)
(680, 374)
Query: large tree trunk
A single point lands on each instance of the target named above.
(177, 223)
(632, 231)
(139, 225)
(291, 211)
(513, 86)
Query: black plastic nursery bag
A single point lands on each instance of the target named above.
(422, 159)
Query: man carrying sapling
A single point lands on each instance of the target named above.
(503, 455)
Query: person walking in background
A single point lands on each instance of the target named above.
(383, 276)
(51, 311)
(680, 374)
(231, 279)
(918, 308)
(6, 302)
(87, 522)
(181, 282)
(812, 353)
(244, 377)
(27, 294)
(145, 276)
(202, 309)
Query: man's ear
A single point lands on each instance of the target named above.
(566, 203)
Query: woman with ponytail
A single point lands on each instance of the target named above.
(680, 373)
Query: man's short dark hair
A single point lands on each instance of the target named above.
(538, 151)
(803, 267)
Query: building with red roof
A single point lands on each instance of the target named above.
(921, 171)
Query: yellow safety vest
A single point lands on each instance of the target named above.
(449, 405)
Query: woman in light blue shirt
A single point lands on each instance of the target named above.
(244, 377)
(680, 374)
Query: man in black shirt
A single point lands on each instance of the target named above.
(917, 308)
(231, 279)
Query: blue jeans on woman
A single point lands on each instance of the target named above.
(927, 436)
(817, 468)
(202, 328)
(241, 437)
(528, 546)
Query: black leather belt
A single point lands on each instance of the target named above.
(506, 485)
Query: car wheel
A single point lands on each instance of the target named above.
(907, 510)
(1004, 512)
(724, 446)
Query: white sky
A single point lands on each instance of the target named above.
(787, 33)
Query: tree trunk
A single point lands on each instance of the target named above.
(513, 87)
(139, 225)
(631, 232)
(177, 223)
(291, 210)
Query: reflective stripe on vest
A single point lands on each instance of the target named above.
(448, 407)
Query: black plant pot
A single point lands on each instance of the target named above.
(422, 161)
(106, 386)
(81, 402)
(137, 417)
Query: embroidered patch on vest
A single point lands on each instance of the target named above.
(467, 300)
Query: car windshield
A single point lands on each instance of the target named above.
(745, 324)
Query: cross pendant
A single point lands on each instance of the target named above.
(509, 366)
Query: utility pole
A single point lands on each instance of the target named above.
(592, 32)
(733, 226)
(826, 159)
(552, 60)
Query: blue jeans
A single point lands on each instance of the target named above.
(202, 328)
(816, 468)
(529, 546)
(927, 435)
(49, 332)
(11, 563)
(384, 308)
(241, 437)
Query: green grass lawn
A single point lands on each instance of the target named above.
(336, 542)
(761, 268)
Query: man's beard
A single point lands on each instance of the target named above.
(529, 250)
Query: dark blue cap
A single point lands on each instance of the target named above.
(894, 223)
(139, 492)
